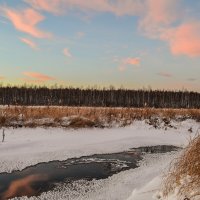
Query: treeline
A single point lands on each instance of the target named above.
(36, 96)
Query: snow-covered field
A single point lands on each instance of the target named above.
(26, 147)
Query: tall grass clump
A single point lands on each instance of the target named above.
(30, 116)
(184, 177)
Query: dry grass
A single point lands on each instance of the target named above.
(28, 116)
(185, 173)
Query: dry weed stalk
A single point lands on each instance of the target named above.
(185, 173)
(96, 114)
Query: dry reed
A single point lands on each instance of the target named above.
(184, 174)
(96, 116)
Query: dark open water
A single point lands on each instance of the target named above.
(43, 177)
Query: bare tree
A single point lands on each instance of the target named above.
(106, 97)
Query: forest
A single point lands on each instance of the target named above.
(107, 97)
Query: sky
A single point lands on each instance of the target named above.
(132, 44)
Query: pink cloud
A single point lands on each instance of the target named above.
(162, 21)
(165, 74)
(29, 42)
(53, 6)
(66, 52)
(1, 77)
(26, 21)
(125, 63)
(184, 39)
(37, 77)
(117, 7)
(132, 61)
(157, 19)
(157, 16)
(122, 68)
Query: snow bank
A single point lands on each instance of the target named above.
(25, 147)
(147, 191)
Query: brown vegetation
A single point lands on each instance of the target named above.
(185, 173)
(51, 116)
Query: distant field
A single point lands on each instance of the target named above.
(79, 117)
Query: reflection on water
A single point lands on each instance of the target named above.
(43, 177)
(23, 186)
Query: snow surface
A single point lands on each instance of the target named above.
(26, 147)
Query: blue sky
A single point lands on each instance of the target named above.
(134, 43)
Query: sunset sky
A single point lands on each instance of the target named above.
(129, 43)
